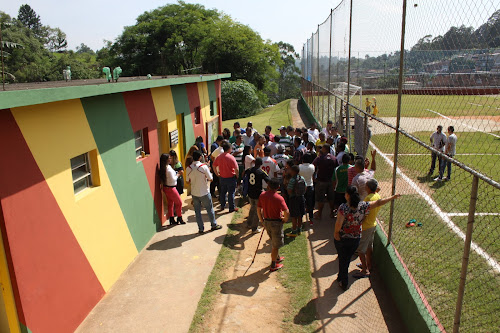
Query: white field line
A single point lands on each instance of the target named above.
(477, 214)
(455, 154)
(484, 105)
(474, 128)
(492, 262)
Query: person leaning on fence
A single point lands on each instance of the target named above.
(168, 179)
(253, 188)
(365, 248)
(438, 142)
(296, 190)
(273, 212)
(348, 229)
(199, 176)
(450, 150)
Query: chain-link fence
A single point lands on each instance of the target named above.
(388, 73)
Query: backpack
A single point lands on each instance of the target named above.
(300, 186)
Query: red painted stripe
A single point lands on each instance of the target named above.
(142, 114)
(194, 102)
(55, 285)
(415, 284)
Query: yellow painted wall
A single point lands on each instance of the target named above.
(205, 103)
(8, 313)
(55, 133)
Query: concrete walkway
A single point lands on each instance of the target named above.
(365, 306)
(160, 290)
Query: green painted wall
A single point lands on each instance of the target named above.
(309, 115)
(212, 94)
(110, 125)
(181, 103)
(411, 307)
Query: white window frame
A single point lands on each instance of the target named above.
(87, 175)
(141, 147)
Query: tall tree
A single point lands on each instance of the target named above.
(289, 80)
(84, 49)
(29, 18)
(55, 39)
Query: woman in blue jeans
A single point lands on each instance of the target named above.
(348, 229)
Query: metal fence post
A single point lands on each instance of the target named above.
(366, 138)
(330, 63)
(465, 258)
(348, 119)
(318, 83)
(396, 144)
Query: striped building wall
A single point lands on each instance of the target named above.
(63, 251)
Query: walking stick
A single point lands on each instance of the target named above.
(255, 254)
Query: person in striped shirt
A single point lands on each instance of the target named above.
(238, 154)
(285, 139)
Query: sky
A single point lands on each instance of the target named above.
(376, 27)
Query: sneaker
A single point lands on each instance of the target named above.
(447, 179)
(342, 286)
(234, 210)
(256, 230)
(280, 259)
(201, 232)
(438, 179)
(275, 268)
(217, 227)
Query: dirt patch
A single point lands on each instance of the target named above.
(254, 302)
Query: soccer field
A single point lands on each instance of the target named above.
(433, 252)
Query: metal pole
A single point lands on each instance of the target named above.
(318, 102)
(312, 73)
(1, 56)
(348, 118)
(365, 141)
(330, 63)
(398, 119)
(465, 258)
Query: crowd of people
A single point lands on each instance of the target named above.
(284, 176)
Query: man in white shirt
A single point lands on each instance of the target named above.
(248, 136)
(307, 170)
(328, 129)
(313, 132)
(438, 141)
(269, 165)
(359, 181)
(450, 150)
(199, 176)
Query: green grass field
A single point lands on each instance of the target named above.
(452, 105)
(276, 116)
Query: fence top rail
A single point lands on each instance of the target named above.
(459, 164)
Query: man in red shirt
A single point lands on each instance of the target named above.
(226, 168)
(273, 212)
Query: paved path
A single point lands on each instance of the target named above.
(364, 307)
(159, 291)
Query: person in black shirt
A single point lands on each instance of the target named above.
(215, 182)
(255, 177)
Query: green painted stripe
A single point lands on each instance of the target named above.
(16, 98)
(212, 94)
(181, 103)
(110, 125)
(24, 329)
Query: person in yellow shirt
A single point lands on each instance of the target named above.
(365, 248)
(368, 105)
(322, 139)
(375, 108)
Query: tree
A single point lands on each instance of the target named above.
(28, 17)
(84, 49)
(289, 80)
(55, 39)
(240, 99)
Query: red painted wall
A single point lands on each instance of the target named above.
(142, 114)
(54, 284)
(194, 101)
(219, 103)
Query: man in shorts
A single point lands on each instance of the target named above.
(325, 165)
(365, 248)
(273, 212)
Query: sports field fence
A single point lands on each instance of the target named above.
(423, 64)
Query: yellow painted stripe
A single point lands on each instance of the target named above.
(8, 302)
(205, 102)
(55, 133)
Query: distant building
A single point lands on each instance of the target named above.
(79, 189)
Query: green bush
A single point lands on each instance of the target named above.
(239, 99)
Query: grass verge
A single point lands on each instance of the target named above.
(296, 278)
(275, 116)
(224, 260)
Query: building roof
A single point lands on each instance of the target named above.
(23, 94)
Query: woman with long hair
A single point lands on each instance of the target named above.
(189, 155)
(177, 166)
(348, 229)
(168, 179)
(226, 133)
